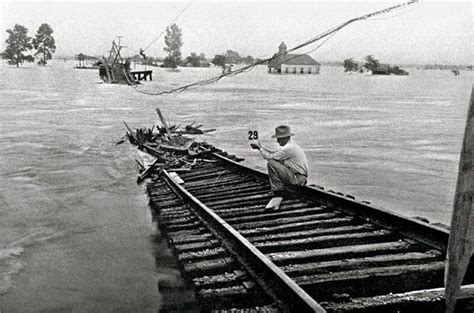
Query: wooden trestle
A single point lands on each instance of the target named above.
(142, 75)
(320, 252)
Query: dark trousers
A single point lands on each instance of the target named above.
(281, 176)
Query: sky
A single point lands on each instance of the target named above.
(423, 33)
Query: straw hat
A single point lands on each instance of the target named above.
(282, 131)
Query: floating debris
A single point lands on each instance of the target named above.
(168, 146)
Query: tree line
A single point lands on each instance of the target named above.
(370, 64)
(373, 65)
(174, 42)
(19, 44)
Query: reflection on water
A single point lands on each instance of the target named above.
(75, 228)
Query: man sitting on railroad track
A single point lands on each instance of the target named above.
(287, 165)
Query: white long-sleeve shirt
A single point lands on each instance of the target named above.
(291, 155)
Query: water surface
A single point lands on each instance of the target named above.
(75, 229)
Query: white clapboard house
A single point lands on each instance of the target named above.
(287, 63)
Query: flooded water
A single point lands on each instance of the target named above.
(75, 229)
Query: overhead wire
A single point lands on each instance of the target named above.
(327, 33)
(394, 15)
(174, 20)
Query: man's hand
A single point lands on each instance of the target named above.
(255, 145)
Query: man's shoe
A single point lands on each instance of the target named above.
(274, 204)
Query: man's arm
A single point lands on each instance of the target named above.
(280, 154)
(264, 152)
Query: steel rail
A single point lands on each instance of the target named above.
(282, 289)
(434, 236)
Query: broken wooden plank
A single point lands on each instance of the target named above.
(203, 255)
(374, 280)
(313, 232)
(156, 153)
(212, 266)
(130, 131)
(196, 246)
(360, 263)
(339, 221)
(283, 221)
(339, 252)
(461, 238)
(163, 121)
(325, 241)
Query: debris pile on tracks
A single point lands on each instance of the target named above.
(168, 147)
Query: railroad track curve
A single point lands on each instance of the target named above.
(320, 252)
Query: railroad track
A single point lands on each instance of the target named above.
(321, 251)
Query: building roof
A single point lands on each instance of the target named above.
(292, 59)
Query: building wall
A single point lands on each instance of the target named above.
(299, 69)
(273, 70)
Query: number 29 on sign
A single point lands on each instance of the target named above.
(253, 134)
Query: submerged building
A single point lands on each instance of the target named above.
(386, 69)
(287, 63)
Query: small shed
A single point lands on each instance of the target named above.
(382, 69)
(287, 63)
(386, 69)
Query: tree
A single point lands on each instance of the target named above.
(371, 63)
(233, 57)
(18, 42)
(193, 59)
(44, 43)
(173, 41)
(219, 60)
(197, 61)
(248, 60)
(204, 62)
(350, 65)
